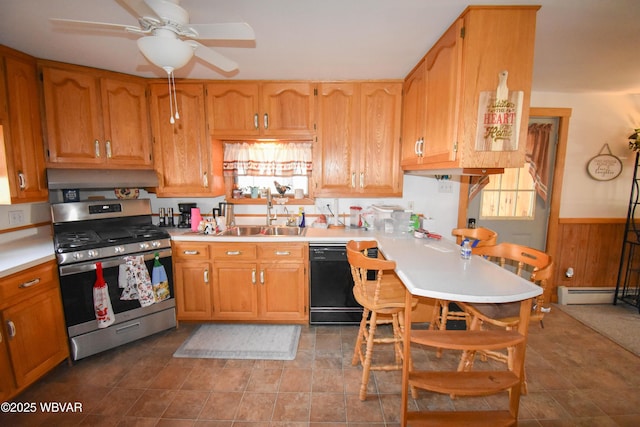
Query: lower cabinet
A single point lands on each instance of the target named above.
(238, 281)
(33, 337)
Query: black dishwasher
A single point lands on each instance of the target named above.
(331, 293)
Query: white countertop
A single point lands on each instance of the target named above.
(427, 267)
(26, 252)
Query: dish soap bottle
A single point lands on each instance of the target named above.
(301, 223)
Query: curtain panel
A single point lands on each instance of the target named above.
(537, 155)
(267, 159)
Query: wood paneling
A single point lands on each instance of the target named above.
(592, 247)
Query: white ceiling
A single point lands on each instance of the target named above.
(581, 45)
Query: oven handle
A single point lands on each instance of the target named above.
(66, 270)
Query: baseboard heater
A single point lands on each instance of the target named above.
(587, 295)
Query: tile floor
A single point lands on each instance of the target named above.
(576, 378)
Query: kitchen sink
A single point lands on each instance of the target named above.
(255, 230)
(241, 231)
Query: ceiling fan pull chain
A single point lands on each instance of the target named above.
(169, 73)
(175, 96)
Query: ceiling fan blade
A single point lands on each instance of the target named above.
(213, 57)
(228, 31)
(139, 8)
(91, 24)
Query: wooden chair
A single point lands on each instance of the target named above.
(442, 312)
(524, 261)
(383, 300)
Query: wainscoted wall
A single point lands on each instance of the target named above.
(592, 247)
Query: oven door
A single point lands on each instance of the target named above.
(76, 286)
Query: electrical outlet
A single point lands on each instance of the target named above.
(16, 217)
(445, 186)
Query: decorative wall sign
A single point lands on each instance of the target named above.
(604, 167)
(499, 114)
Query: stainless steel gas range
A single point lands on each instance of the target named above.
(108, 232)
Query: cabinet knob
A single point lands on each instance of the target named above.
(262, 277)
(96, 144)
(191, 252)
(206, 276)
(108, 148)
(283, 253)
(253, 276)
(265, 119)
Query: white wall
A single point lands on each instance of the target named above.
(596, 119)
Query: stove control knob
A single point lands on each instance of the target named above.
(118, 249)
(78, 255)
(92, 253)
(155, 244)
(144, 245)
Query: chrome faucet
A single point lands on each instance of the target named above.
(270, 218)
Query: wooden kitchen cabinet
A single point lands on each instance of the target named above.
(358, 148)
(7, 384)
(22, 162)
(442, 93)
(34, 330)
(95, 119)
(187, 161)
(265, 282)
(192, 284)
(249, 110)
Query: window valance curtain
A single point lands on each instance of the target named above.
(267, 159)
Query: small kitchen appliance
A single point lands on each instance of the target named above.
(185, 214)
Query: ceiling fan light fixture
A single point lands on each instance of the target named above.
(166, 52)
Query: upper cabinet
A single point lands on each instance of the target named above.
(358, 147)
(22, 162)
(251, 110)
(187, 161)
(95, 119)
(451, 97)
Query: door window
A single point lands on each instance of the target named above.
(511, 195)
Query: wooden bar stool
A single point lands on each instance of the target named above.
(442, 312)
(536, 266)
(383, 300)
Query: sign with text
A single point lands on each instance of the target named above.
(499, 121)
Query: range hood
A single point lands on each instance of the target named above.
(61, 179)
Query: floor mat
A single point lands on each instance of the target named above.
(242, 341)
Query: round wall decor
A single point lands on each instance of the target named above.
(604, 167)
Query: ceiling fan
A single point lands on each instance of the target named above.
(169, 40)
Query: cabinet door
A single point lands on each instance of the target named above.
(7, 386)
(335, 158)
(24, 146)
(413, 115)
(235, 293)
(72, 110)
(282, 291)
(126, 123)
(193, 290)
(443, 82)
(232, 109)
(379, 171)
(37, 337)
(288, 110)
(181, 150)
